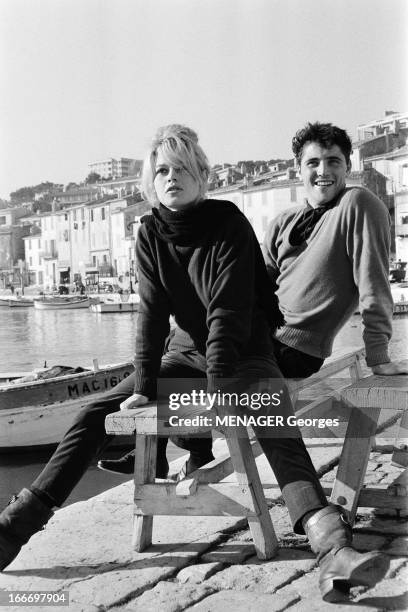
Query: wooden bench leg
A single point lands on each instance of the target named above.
(262, 531)
(354, 458)
(356, 370)
(400, 453)
(145, 472)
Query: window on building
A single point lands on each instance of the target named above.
(82, 214)
(30, 261)
(92, 214)
(66, 217)
(94, 260)
(75, 214)
(29, 245)
(105, 259)
(103, 214)
(2, 220)
(40, 277)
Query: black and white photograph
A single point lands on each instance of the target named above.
(203, 305)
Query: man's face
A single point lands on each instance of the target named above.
(323, 172)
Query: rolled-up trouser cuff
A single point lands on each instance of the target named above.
(302, 497)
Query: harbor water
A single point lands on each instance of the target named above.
(29, 338)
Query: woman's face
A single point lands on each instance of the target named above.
(174, 186)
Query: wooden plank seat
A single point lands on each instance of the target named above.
(201, 493)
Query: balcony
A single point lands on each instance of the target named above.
(49, 254)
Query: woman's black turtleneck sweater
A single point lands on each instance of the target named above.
(204, 266)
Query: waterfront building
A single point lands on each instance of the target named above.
(11, 245)
(49, 251)
(125, 225)
(262, 202)
(33, 258)
(401, 224)
(382, 145)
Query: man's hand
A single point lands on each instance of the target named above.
(133, 401)
(391, 369)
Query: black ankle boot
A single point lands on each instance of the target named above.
(341, 566)
(23, 517)
(126, 465)
(123, 465)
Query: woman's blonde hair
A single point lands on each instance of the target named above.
(179, 146)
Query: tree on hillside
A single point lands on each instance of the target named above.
(24, 194)
(27, 194)
(93, 177)
(42, 206)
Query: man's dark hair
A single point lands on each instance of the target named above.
(326, 134)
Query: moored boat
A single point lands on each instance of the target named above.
(114, 307)
(61, 303)
(17, 302)
(38, 413)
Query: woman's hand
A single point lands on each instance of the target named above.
(133, 401)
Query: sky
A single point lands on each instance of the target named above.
(84, 80)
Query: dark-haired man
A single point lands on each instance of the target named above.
(329, 255)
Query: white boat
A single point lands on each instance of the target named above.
(114, 307)
(17, 302)
(61, 303)
(39, 412)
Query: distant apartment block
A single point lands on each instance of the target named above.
(116, 168)
(392, 122)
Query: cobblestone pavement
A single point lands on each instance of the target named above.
(203, 564)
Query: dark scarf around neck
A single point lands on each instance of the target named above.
(189, 227)
(310, 216)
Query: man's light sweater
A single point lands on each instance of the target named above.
(320, 282)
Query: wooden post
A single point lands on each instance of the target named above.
(354, 459)
(239, 446)
(145, 472)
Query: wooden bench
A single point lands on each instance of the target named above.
(202, 493)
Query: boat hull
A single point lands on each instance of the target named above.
(61, 304)
(16, 303)
(39, 413)
(114, 307)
